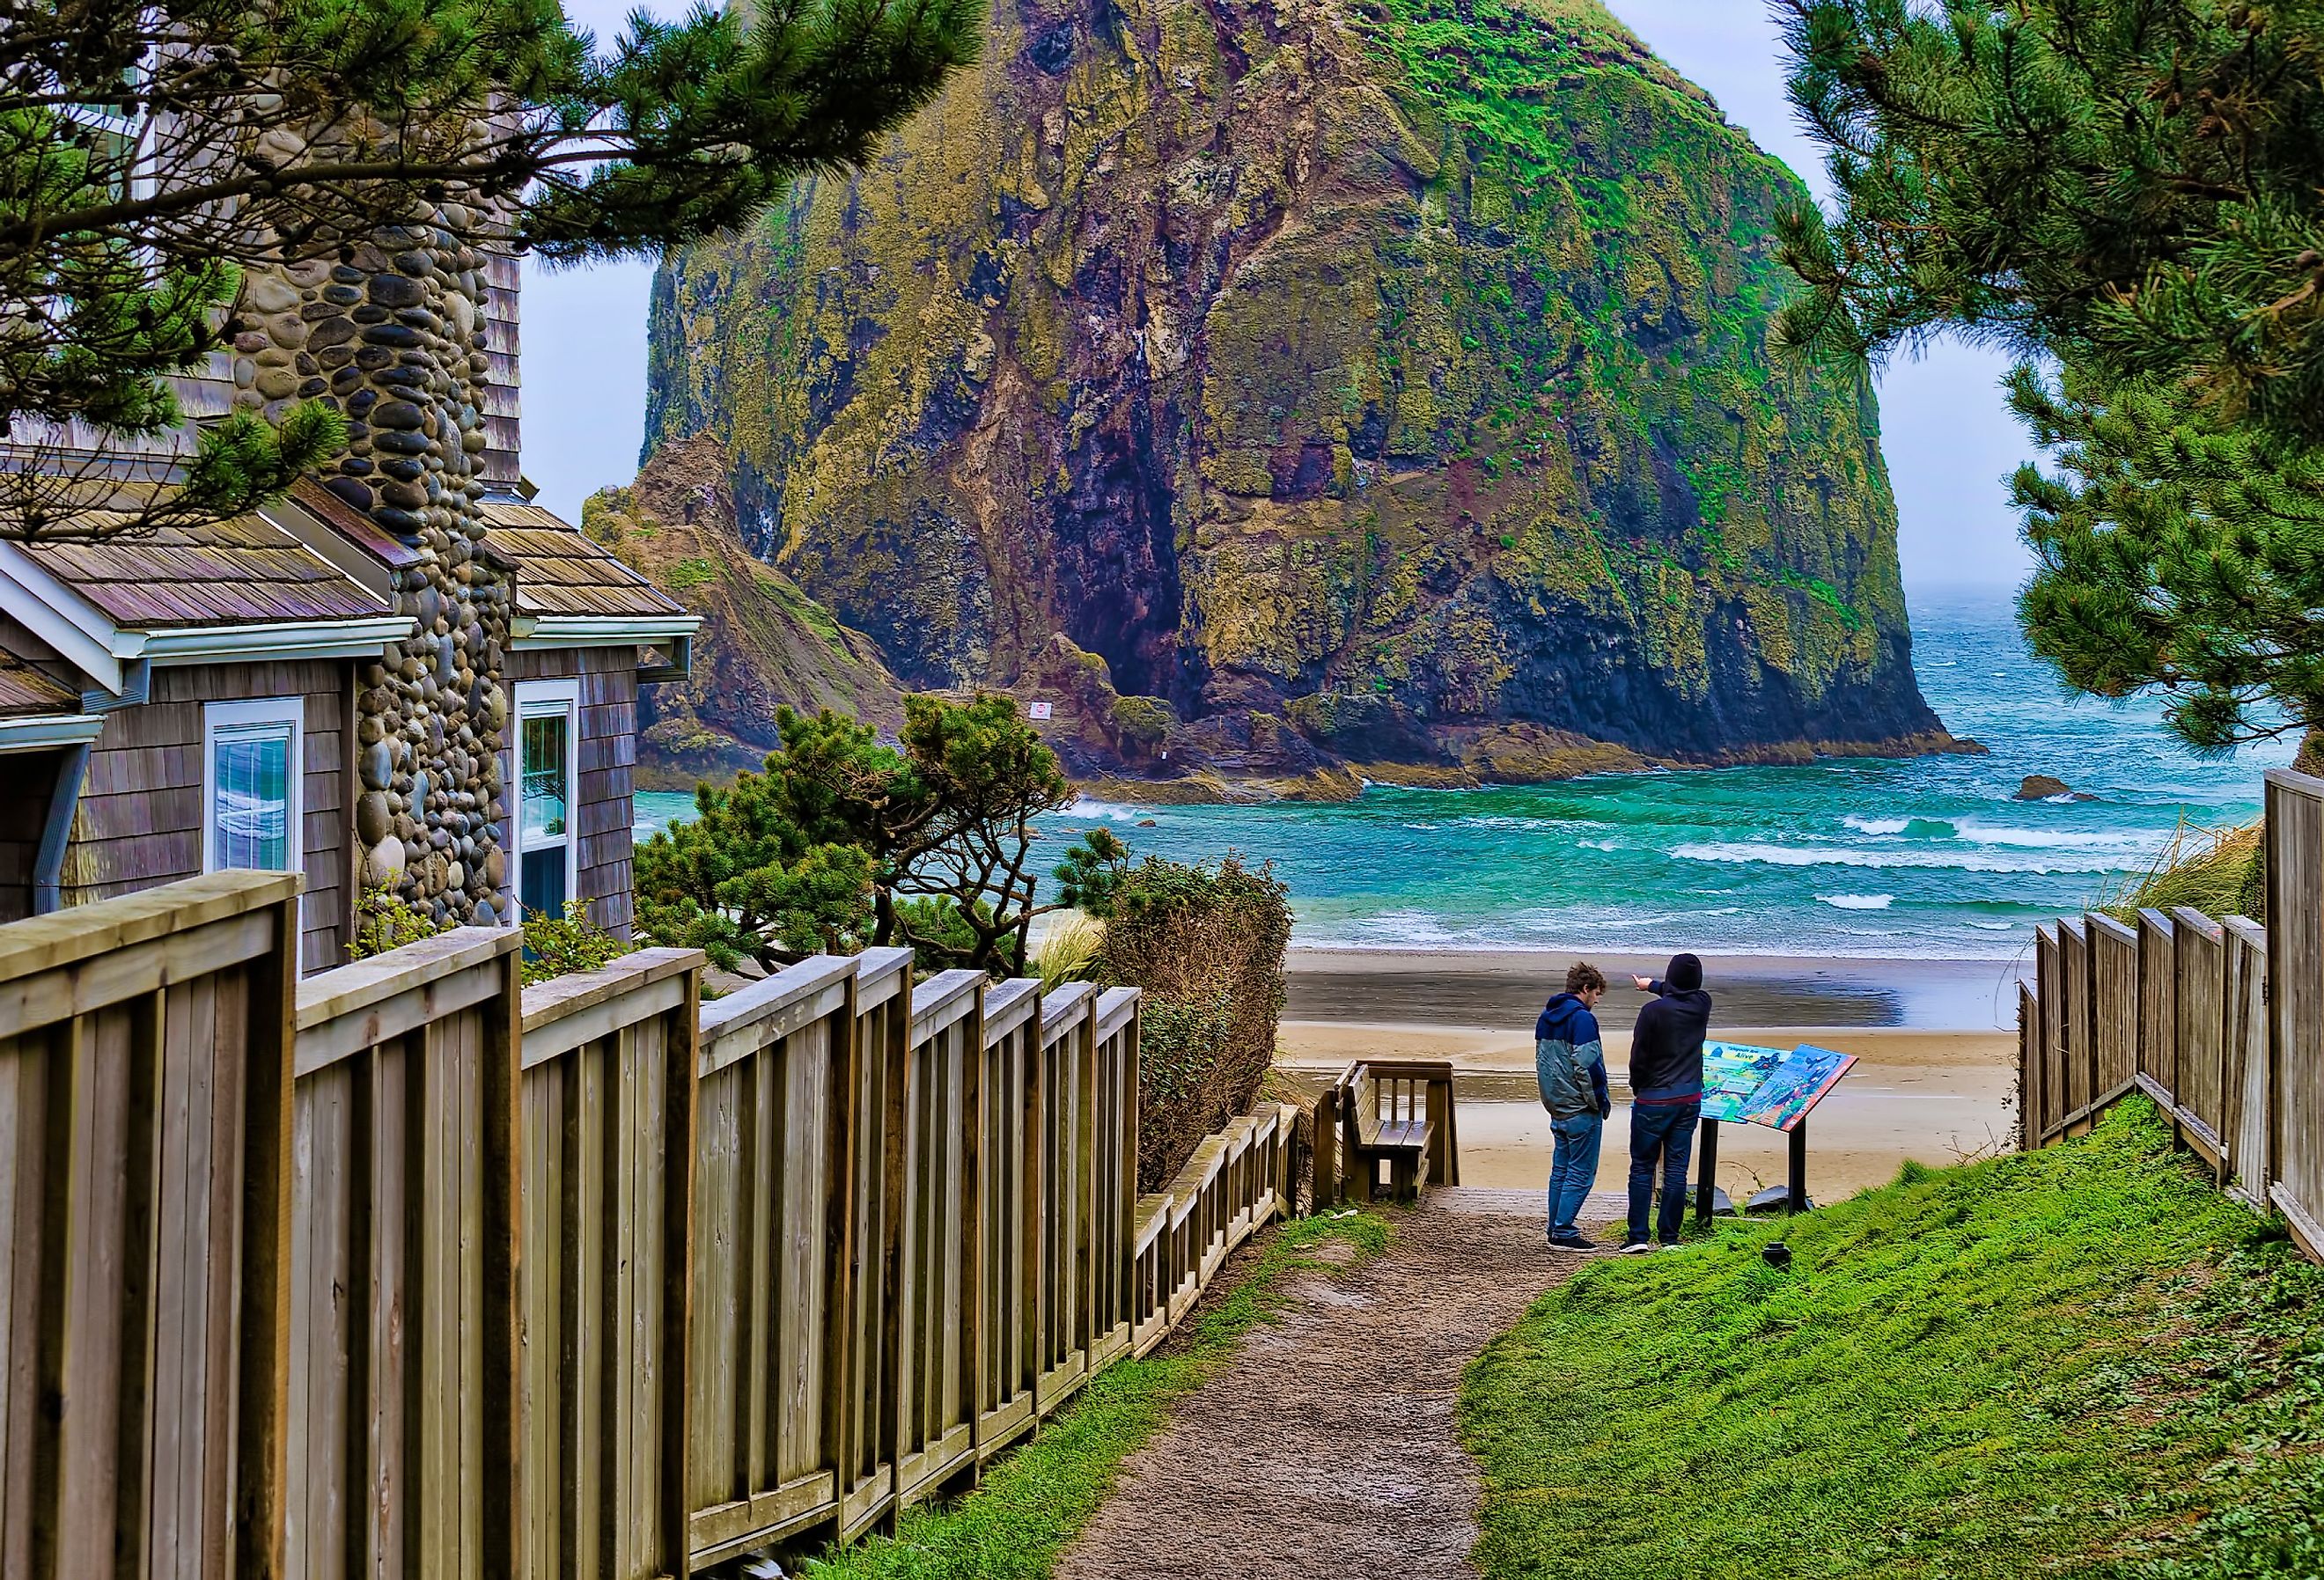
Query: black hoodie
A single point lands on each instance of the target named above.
(1666, 1048)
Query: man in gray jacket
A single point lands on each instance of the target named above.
(1570, 1064)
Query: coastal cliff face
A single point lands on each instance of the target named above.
(1368, 381)
(763, 643)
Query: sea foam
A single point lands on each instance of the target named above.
(1859, 901)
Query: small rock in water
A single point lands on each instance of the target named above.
(2041, 787)
(1147, 823)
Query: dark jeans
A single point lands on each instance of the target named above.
(1664, 1133)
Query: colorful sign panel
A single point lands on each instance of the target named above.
(1770, 1087)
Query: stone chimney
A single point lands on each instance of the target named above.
(398, 332)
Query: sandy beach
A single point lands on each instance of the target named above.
(1934, 1084)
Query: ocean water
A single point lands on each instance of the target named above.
(1929, 857)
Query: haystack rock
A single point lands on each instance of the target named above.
(1381, 382)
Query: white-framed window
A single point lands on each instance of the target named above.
(547, 846)
(254, 759)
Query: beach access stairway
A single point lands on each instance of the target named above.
(2221, 1022)
(406, 1268)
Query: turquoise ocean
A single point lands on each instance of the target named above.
(1929, 857)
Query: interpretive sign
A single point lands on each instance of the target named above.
(1770, 1087)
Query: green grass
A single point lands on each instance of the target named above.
(2083, 1362)
(1035, 1500)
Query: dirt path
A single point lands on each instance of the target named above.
(1327, 1446)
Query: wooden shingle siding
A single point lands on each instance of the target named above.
(608, 755)
(140, 821)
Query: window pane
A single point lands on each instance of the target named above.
(251, 817)
(545, 792)
(541, 882)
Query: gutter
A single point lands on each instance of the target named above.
(362, 637)
(538, 631)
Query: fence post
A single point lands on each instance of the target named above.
(2295, 1011)
(1324, 1151)
(261, 1466)
(2029, 1095)
(503, 1228)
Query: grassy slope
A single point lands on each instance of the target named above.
(1035, 1500)
(2048, 1364)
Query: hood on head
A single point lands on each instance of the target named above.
(1557, 1014)
(1685, 973)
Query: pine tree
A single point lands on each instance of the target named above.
(153, 152)
(2126, 195)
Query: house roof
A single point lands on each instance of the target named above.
(26, 691)
(243, 571)
(351, 525)
(562, 574)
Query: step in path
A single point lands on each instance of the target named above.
(1327, 1446)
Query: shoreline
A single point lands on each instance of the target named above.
(1508, 755)
(1503, 989)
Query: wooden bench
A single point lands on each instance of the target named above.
(1399, 1113)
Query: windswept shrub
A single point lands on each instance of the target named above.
(560, 945)
(385, 920)
(1206, 945)
(1069, 952)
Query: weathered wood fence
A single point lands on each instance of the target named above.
(2220, 1021)
(408, 1270)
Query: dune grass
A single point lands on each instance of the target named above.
(2082, 1362)
(1035, 1500)
(2220, 871)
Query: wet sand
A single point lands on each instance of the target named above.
(1472, 988)
(1935, 1082)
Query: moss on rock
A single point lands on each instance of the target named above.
(1284, 354)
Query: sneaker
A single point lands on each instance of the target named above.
(1670, 1245)
(1636, 1247)
(1571, 1239)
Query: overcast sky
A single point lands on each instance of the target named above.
(1949, 439)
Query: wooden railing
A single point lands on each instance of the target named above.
(147, 1257)
(408, 1270)
(2220, 1021)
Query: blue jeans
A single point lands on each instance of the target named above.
(1572, 1167)
(1664, 1134)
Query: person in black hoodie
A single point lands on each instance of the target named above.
(1665, 1095)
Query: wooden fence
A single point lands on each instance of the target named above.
(408, 1270)
(2220, 1021)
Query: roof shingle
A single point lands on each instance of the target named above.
(26, 692)
(243, 571)
(561, 572)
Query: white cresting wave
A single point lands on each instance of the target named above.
(1859, 901)
(1109, 812)
(1754, 852)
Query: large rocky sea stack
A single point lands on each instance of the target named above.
(1377, 382)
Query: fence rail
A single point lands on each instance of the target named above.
(2221, 1022)
(408, 1269)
